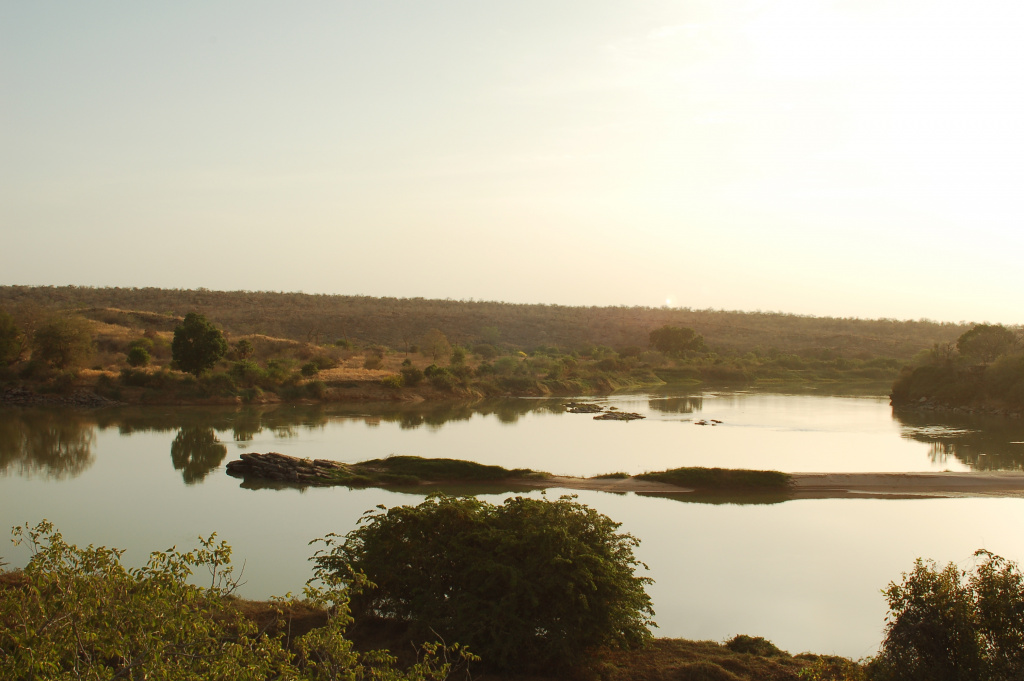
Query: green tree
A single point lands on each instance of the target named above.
(138, 356)
(63, 342)
(10, 340)
(197, 344)
(985, 342)
(526, 584)
(244, 349)
(950, 625)
(675, 340)
(82, 615)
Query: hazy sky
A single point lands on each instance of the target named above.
(861, 158)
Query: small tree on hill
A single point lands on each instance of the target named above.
(435, 345)
(63, 342)
(675, 340)
(197, 344)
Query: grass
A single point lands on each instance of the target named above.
(405, 470)
(723, 479)
(618, 475)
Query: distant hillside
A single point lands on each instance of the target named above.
(400, 322)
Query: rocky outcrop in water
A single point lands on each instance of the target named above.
(284, 468)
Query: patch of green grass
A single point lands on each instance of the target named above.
(619, 475)
(398, 470)
(720, 478)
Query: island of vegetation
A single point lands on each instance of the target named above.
(89, 346)
(982, 372)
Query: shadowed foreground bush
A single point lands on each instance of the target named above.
(528, 584)
(78, 613)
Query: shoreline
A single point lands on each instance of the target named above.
(1009, 484)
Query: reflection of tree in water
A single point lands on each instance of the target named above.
(677, 405)
(195, 452)
(988, 443)
(56, 444)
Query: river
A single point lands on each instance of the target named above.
(806, 574)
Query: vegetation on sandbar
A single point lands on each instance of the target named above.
(721, 479)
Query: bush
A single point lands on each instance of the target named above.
(138, 356)
(941, 627)
(530, 583)
(197, 344)
(394, 381)
(10, 340)
(81, 614)
(63, 342)
(309, 369)
(411, 376)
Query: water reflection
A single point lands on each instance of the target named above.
(982, 442)
(195, 452)
(677, 405)
(54, 444)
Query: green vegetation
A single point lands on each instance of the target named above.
(11, 345)
(721, 479)
(197, 344)
(673, 340)
(79, 614)
(943, 628)
(528, 584)
(947, 375)
(406, 469)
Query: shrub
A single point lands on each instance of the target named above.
(485, 351)
(82, 614)
(10, 340)
(442, 379)
(393, 381)
(247, 372)
(309, 369)
(458, 356)
(529, 583)
(63, 342)
(941, 627)
(244, 349)
(411, 376)
(138, 356)
(197, 344)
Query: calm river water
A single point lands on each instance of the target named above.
(806, 574)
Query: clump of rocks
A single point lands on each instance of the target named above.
(609, 414)
(584, 408)
(619, 416)
(284, 468)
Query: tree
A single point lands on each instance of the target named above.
(985, 342)
(942, 627)
(197, 344)
(675, 340)
(10, 340)
(63, 342)
(138, 356)
(244, 349)
(79, 613)
(435, 345)
(528, 583)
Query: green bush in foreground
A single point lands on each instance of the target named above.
(530, 583)
(80, 614)
(952, 625)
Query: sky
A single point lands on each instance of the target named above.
(847, 159)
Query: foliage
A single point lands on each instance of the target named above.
(985, 342)
(942, 627)
(458, 356)
(310, 369)
(63, 342)
(720, 478)
(81, 614)
(197, 344)
(753, 645)
(10, 340)
(674, 340)
(244, 349)
(411, 376)
(528, 583)
(138, 356)
(393, 381)
(435, 345)
(833, 668)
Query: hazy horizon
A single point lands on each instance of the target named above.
(834, 159)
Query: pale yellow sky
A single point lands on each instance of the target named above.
(830, 158)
